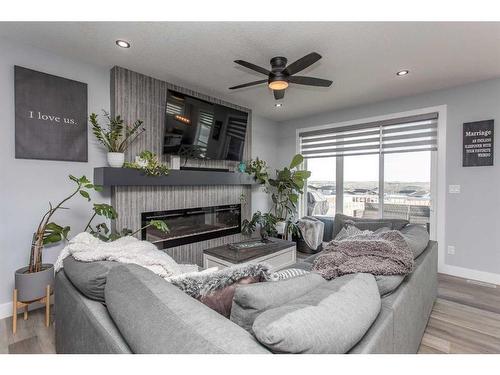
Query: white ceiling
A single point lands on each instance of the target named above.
(361, 58)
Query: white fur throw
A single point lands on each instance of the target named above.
(87, 248)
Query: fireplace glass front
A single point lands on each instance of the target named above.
(192, 225)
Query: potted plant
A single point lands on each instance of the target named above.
(266, 222)
(149, 163)
(116, 137)
(31, 281)
(285, 190)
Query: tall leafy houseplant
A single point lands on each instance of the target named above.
(48, 232)
(285, 189)
(116, 136)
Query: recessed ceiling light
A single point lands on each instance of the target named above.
(122, 43)
(278, 105)
(402, 72)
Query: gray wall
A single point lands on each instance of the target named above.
(472, 217)
(264, 140)
(26, 186)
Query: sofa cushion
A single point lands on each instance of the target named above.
(417, 238)
(88, 277)
(251, 300)
(155, 316)
(366, 224)
(332, 318)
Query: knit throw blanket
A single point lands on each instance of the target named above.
(87, 248)
(382, 254)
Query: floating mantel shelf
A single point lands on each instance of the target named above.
(131, 177)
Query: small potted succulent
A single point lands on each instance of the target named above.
(116, 136)
(31, 281)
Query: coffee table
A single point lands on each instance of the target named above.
(276, 252)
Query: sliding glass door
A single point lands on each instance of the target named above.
(407, 186)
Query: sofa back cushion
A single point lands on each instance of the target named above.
(417, 238)
(251, 300)
(366, 224)
(155, 316)
(88, 277)
(332, 318)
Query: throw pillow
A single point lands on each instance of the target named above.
(287, 274)
(366, 224)
(350, 230)
(216, 289)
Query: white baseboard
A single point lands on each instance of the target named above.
(466, 273)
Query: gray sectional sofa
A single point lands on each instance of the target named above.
(138, 312)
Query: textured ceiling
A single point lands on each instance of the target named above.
(361, 58)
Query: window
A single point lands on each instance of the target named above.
(205, 122)
(383, 168)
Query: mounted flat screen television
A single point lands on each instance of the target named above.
(198, 129)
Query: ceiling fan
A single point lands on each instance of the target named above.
(281, 75)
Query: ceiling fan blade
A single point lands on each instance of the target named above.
(279, 94)
(248, 84)
(248, 65)
(311, 81)
(302, 63)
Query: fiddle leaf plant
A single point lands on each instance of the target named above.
(285, 189)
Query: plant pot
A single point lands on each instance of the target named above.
(33, 286)
(116, 159)
(280, 227)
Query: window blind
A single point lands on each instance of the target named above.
(407, 134)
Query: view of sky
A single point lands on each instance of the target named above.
(406, 167)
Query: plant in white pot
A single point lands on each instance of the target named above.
(31, 282)
(116, 136)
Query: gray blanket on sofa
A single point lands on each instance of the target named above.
(379, 254)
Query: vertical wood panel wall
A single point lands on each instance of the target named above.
(136, 96)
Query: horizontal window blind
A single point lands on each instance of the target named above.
(407, 134)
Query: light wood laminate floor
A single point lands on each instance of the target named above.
(465, 319)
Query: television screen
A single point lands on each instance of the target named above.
(198, 129)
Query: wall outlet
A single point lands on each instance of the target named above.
(454, 189)
(451, 250)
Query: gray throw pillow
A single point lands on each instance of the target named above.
(417, 238)
(330, 319)
(88, 277)
(366, 224)
(252, 299)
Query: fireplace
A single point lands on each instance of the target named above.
(192, 225)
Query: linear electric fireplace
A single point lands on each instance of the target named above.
(192, 225)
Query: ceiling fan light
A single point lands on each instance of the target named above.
(278, 85)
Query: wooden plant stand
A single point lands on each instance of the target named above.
(18, 305)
